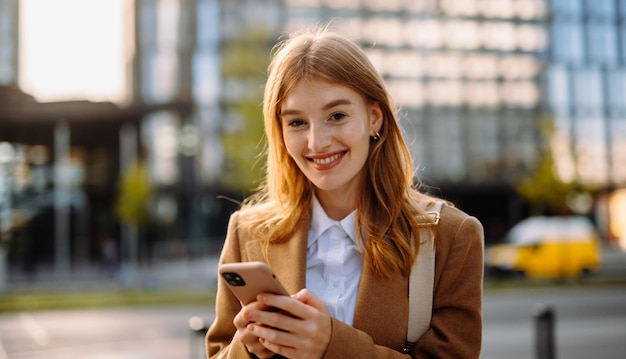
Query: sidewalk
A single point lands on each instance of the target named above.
(613, 262)
(192, 274)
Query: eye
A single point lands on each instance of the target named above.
(338, 116)
(296, 123)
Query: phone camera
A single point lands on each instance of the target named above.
(234, 279)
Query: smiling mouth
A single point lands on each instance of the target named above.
(326, 160)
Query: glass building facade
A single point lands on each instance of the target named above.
(465, 74)
(8, 42)
(473, 79)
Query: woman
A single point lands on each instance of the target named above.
(337, 220)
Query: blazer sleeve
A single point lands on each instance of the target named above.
(456, 323)
(220, 341)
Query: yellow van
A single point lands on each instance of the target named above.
(547, 247)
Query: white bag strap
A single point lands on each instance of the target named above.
(421, 283)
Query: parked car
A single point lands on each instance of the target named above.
(547, 247)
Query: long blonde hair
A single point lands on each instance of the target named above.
(386, 208)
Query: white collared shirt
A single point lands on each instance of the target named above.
(334, 262)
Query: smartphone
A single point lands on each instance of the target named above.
(248, 279)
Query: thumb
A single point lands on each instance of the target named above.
(307, 297)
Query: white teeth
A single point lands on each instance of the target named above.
(327, 160)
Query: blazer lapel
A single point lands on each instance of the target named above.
(382, 303)
(287, 258)
(382, 307)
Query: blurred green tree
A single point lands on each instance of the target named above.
(543, 190)
(133, 196)
(244, 63)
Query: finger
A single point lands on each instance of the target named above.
(272, 338)
(308, 332)
(239, 322)
(281, 303)
(276, 348)
(247, 311)
(278, 320)
(259, 350)
(307, 297)
(293, 331)
(252, 343)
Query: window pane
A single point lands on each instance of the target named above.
(617, 132)
(160, 136)
(567, 42)
(206, 77)
(600, 8)
(444, 65)
(602, 44)
(588, 92)
(482, 94)
(404, 64)
(591, 150)
(208, 20)
(531, 38)
(518, 67)
(407, 93)
(459, 7)
(520, 94)
(480, 66)
(444, 93)
(482, 143)
(447, 157)
(498, 36)
(424, 34)
(558, 88)
(461, 34)
(561, 146)
(616, 89)
(530, 9)
(569, 8)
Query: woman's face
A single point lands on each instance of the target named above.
(327, 129)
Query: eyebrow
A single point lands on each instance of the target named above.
(328, 106)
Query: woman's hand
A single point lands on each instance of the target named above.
(245, 336)
(302, 332)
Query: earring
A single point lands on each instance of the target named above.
(376, 137)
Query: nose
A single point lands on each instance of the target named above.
(319, 138)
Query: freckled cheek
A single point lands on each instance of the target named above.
(291, 146)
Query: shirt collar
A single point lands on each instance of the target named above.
(321, 222)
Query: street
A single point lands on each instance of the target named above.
(118, 333)
(590, 323)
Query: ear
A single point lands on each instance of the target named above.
(375, 117)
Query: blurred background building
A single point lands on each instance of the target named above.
(511, 108)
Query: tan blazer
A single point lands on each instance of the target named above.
(380, 319)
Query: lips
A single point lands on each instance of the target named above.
(326, 162)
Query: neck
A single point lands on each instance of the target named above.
(337, 205)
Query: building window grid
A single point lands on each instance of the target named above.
(617, 148)
(592, 27)
(596, 85)
(418, 88)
